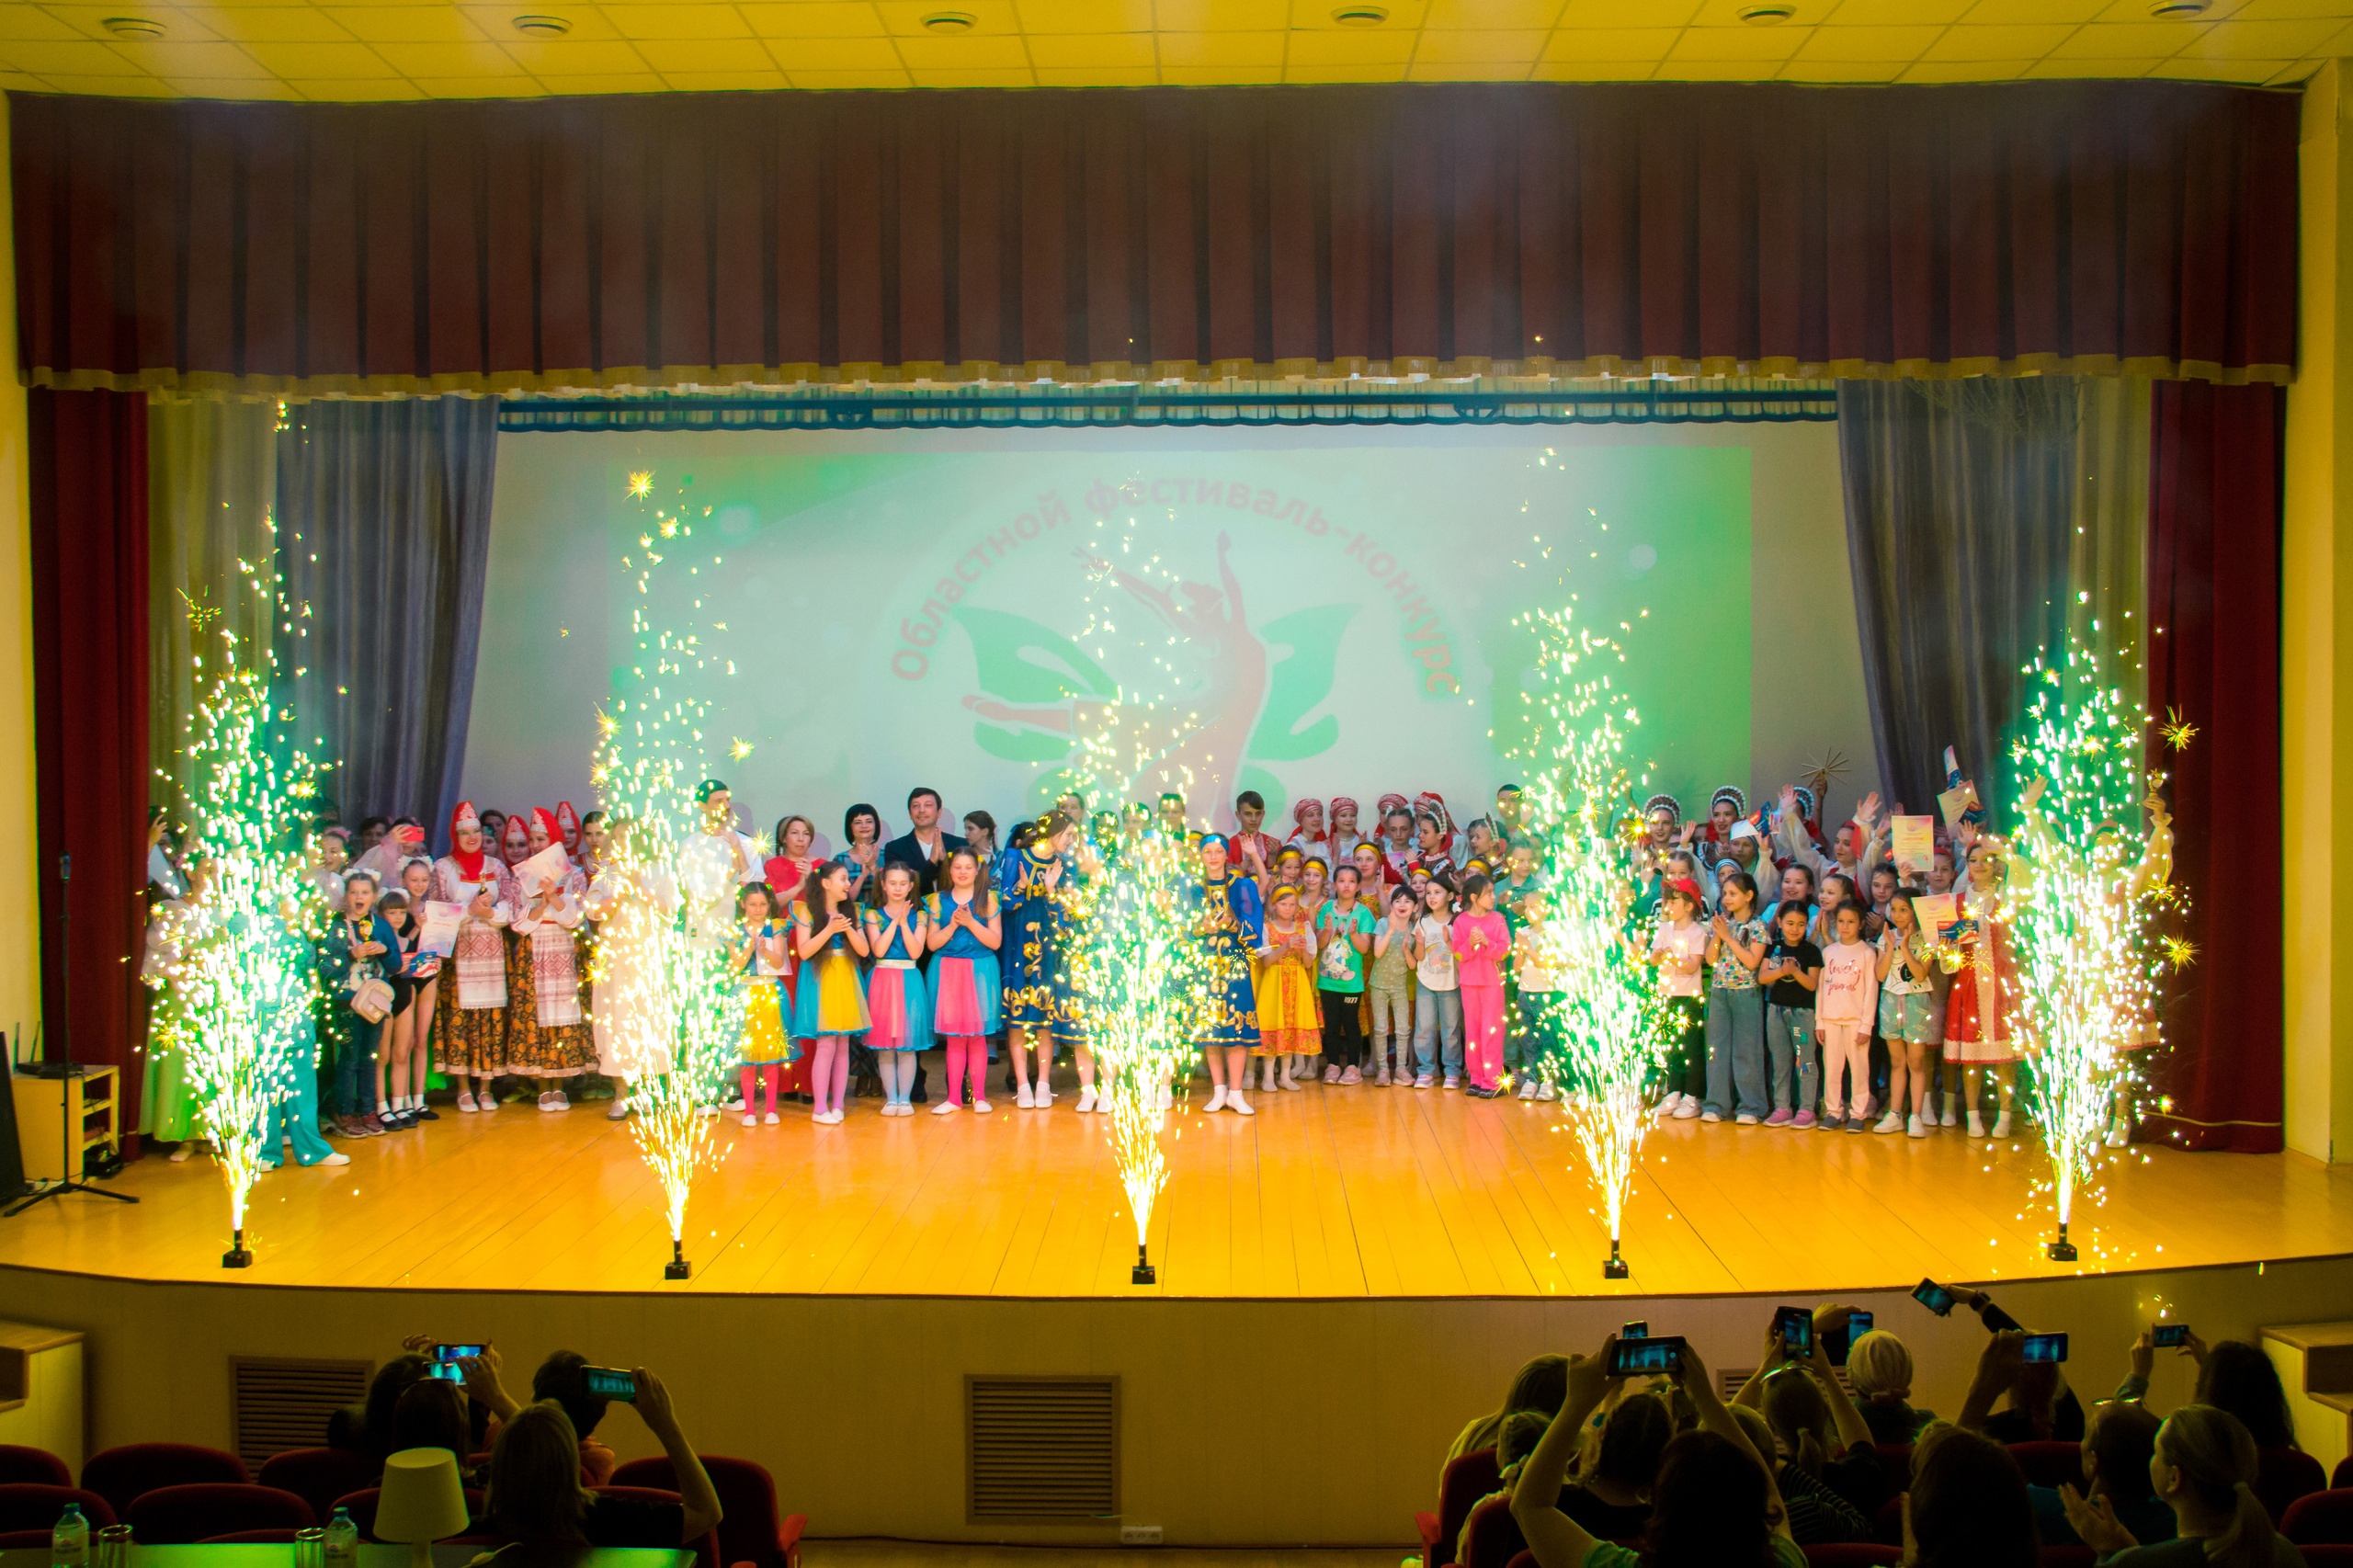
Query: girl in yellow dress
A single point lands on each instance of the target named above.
(830, 1005)
(1290, 1022)
(765, 1047)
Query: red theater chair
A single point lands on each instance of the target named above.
(2327, 1556)
(749, 1530)
(120, 1474)
(361, 1507)
(2343, 1474)
(1494, 1535)
(1895, 1463)
(2322, 1518)
(1852, 1554)
(2286, 1475)
(706, 1549)
(1466, 1481)
(1887, 1525)
(37, 1467)
(2050, 1464)
(27, 1507)
(182, 1515)
(319, 1476)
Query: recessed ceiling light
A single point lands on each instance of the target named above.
(543, 27)
(1361, 16)
(2179, 10)
(1768, 13)
(133, 27)
(950, 22)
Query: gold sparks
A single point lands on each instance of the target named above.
(2177, 731)
(2181, 952)
(740, 749)
(641, 484)
(606, 722)
(200, 614)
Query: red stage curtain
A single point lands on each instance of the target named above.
(89, 565)
(2087, 226)
(2214, 612)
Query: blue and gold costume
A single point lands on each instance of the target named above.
(1037, 928)
(1234, 926)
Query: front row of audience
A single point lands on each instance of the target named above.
(1602, 1473)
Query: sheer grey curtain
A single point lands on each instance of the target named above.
(384, 517)
(1960, 504)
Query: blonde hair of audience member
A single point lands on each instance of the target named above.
(1879, 1366)
(535, 1492)
(1539, 1385)
(1799, 1417)
(2205, 1469)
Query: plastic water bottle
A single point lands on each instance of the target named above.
(343, 1541)
(69, 1543)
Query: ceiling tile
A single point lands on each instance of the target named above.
(797, 55)
(1085, 15)
(483, 86)
(2292, 10)
(1097, 76)
(670, 54)
(1998, 11)
(2076, 67)
(1803, 69)
(238, 88)
(83, 59)
(418, 61)
(1404, 16)
(279, 24)
(676, 18)
(90, 21)
(1739, 43)
(2183, 68)
(1966, 69)
(1219, 15)
(905, 17)
(817, 18)
(1382, 47)
(178, 61)
(726, 81)
(1467, 70)
(928, 54)
(358, 89)
(1594, 71)
(1066, 52)
(1491, 16)
(319, 61)
(1890, 13)
(1368, 71)
(2254, 41)
(1487, 48)
(1627, 13)
(139, 86)
(619, 82)
(568, 57)
(497, 22)
(414, 23)
(2138, 10)
(847, 81)
(974, 77)
(1220, 75)
(1969, 41)
(1717, 71)
(29, 22)
(1835, 42)
(2129, 40)
(1221, 49)
(1609, 43)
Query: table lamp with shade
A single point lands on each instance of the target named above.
(421, 1501)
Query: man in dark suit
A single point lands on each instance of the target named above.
(926, 848)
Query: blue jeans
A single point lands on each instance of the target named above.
(1789, 1035)
(351, 1090)
(1437, 1030)
(1735, 1053)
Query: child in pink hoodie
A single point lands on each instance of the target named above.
(1482, 944)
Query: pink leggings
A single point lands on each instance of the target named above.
(1847, 1046)
(968, 1055)
(829, 1074)
(1483, 1033)
(767, 1072)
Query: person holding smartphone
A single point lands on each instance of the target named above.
(536, 1493)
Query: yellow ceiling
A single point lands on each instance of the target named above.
(435, 49)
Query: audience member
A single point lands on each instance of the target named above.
(1611, 1494)
(1879, 1366)
(2119, 1436)
(2204, 1468)
(559, 1378)
(1968, 1507)
(2038, 1406)
(1832, 1480)
(536, 1495)
(432, 1413)
(2239, 1378)
(1539, 1386)
(368, 1428)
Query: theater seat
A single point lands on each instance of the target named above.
(2050, 1464)
(1465, 1481)
(38, 1467)
(120, 1474)
(319, 1476)
(30, 1507)
(749, 1529)
(182, 1515)
(1493, 1535)
(2320, 1519)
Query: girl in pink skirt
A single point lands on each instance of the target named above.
(896, 935)
(965, 980)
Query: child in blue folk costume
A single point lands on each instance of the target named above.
(1234, 925)
(1038, 886)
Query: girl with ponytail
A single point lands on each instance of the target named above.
(2204, 1469)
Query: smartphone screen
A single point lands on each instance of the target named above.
(1795, 1325)
(609, 1381)
(2170, 1335)
(448, 1371)
(2046, 1348)
(457, 1352)
(1637, 1329)
(1636, 1358)
(1838, 1342)
(1935, 1297)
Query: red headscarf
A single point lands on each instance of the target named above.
(514, 820)
(547, 822)
(469, 866)
(1332, 819)
(568, 823)
(1299, 820)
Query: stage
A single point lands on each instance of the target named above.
(1327, 1193)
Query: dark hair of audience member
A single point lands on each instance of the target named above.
(559, 1379)
(1708, 1506)
(1969, 1504)
(2241, 1378)
(2120, 1434)
(2216, 1456)
(2035, 1395)
(1632, 1441)
(1541, 1385)
(431, 1414)
(368, 1428)
(1522, 1430)
(1800, 1416)
(535, 1493)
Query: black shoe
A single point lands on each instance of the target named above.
(424, 1113)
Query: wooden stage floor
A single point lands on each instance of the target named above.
(1327, 1193)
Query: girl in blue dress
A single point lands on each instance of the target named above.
(896, 998)
(1233, 925)
(829, 1007)
(1038, 882)
(965, 932)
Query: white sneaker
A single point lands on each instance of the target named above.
(332, 1158)
(831, 1118)
(1976, 1124)
(1025, 1099)
(1086, 1099)
(1546, 1092)
(1042, 1100)
(946, 1108)
(1216, 1101)
(1239, 1106)
(562, 1100)
(1914, 1129)
(772, 1119)
(980, 1107)
(1948, 1118)
(465, 1101)
(1528, 1088)
(1891, 1123)
(547, 1102)
(1744, 1120)
(620, 1111)
(2002, 1125)
(1688, 1110)
(1453, 1082)
(1711, 1117)
(750, 1121)
(706, 1110)
(1422, 1080)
